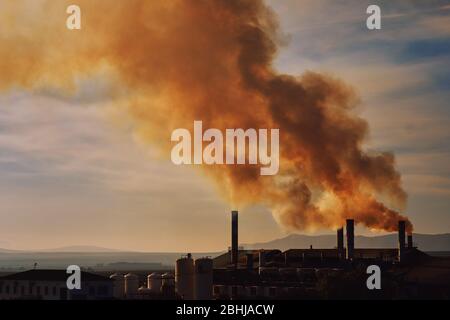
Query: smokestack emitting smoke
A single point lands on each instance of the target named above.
(234, 238)
(350, 232)
(185, 60)
(401, 238)
(340, 242)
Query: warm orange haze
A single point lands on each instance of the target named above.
(224, 155)
(170, 63)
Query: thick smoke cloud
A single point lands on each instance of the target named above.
(184, 60)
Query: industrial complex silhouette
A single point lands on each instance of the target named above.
(311, 273)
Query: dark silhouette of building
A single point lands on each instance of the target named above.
(52, 285)
(313, 272)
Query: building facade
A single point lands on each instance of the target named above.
(51, 285)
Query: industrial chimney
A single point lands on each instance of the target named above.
(350, 229)
(340, 242)
(234, 238)
(410, 241)
(401, 238)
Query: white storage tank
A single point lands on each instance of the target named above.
(168, 279)
(154, 282)
(168, 284)
(184, 277)
(118, 285)
(203, 289)
(131, 284)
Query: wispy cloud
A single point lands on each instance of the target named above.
(54, 138)
(428, 184)
(70, 165)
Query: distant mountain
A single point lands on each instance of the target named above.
(425, 242)
(86, 249)
(98, 260)
(67, 249)
(8, 251)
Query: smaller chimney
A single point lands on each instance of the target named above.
(410, 241)
(340, 242)
(401, 238)
(350, 229)
(234, 238)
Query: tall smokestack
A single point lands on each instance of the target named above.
(234, 237)
(410, 241)
(401, 238)
(340, 242)
(350, 229)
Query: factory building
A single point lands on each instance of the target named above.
(273, 273)
(51, 285)
(236, 274)
(264, 274)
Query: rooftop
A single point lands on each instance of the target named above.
(51, 275)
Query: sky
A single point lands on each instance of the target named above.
(73, 173)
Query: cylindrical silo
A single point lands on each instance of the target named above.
(154, 282)
(131, 284)
(184, 277)
(168, 279)
(168, 284)
(118, 285)
(203, 279)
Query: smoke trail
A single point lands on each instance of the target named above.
(187, 60)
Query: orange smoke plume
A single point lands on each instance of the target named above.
(184, 60)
